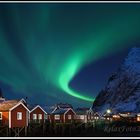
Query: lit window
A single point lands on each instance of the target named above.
(34, 116)
(107, 118)
(82, 117)
(138, 118)
(57, 117)
(19, 115)
(69, 117)
(40, 116)
(0, 115)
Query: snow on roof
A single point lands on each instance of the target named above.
(48, 109)
(128, 115)
(60, 111)
(64, 105)
(7, 105)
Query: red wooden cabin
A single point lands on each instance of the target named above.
(38, 115)
(83, 115)
(61, 115)
(14, 113)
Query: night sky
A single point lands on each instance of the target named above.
(55, 53)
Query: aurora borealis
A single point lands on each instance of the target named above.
(44, 46)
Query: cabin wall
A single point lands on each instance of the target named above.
(37, 111)
(5, 118)
(81, 118)
(14, 121)
(52, 119)
(70, 112)
(90, 116)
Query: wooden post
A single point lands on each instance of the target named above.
(55, 129)
(9, 131)
(63, 130)
(25, 130)
(70, 129)
(44, 128)
(29, 129)
(18, 132)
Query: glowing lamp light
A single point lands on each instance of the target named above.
(108, 111)
(138, 117)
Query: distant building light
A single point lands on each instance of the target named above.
(107, 118)
(138, 118)
(96, 118)
(116, 116)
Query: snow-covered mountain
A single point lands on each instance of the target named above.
(122, 92)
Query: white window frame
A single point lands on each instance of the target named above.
(1, 116)
(35, 118)
(19, 115)
(69, 117)
(46, 116)
(57, 117)
(40, 116)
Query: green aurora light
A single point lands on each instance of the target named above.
(55, 56)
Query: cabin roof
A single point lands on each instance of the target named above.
(64, 105)
(32, 108)
(128, 115)
(48, 109)
(59, 111)
(7, 105)
(96, 114)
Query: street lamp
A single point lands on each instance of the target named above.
(108, 111)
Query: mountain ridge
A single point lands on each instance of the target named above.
(122, 92)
